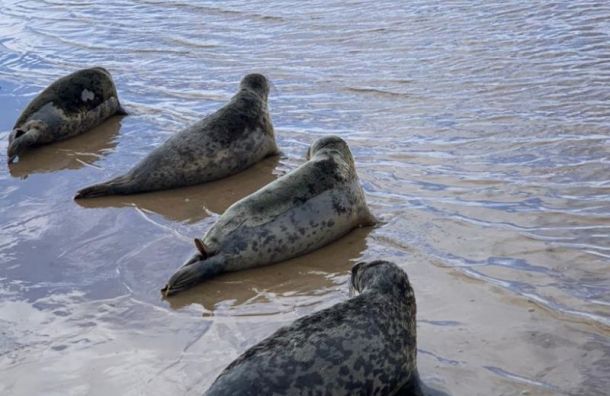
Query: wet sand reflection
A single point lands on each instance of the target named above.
(192, 204)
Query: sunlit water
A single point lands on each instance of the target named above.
(481, 132)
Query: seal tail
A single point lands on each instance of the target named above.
(118, 185)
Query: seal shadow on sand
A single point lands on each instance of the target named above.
(72, 153)
(301, 275)
(190, 203)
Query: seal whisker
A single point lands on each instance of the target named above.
(87, 164)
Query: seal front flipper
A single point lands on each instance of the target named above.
(412, 387)
(415, 387)
(203, 250)
(196, 270)
(118, 185)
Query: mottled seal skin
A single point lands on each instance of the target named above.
(226, 142)
(70, 106)
(363, 346)
(313, 205)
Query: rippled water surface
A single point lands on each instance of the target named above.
(481, 132)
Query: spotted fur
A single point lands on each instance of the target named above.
(226, 142)
(304, 210)
(363, 346)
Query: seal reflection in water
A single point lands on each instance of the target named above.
(70, 106)
(313, 205)
(226, 142)
(363, 346)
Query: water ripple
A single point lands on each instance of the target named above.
(480, 132)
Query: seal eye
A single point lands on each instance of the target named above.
(19, 132)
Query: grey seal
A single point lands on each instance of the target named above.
(363, 346)
(228, 141)
(70, 106)
(301, 211)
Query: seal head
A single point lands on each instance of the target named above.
(381, 276)
(333, 145)
(256, 83)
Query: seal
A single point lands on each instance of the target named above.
(70, 106)
(226, 142)
(313, 205)
(363, 346)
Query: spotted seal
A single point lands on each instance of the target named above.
(70, 106)
(228, 141)
(301, 211)
(363, 346)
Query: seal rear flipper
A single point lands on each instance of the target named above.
(193, 273)
(118, 185)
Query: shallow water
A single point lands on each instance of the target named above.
(482, 137)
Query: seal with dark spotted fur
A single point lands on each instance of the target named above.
(301, 211)
(70, 106)
(363, 346)
(226, 142)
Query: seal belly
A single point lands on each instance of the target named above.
(208, 164)
(61, 126)
(300, 230)
(94, 117)
(170, 165)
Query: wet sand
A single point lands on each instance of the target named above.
(480, 135)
